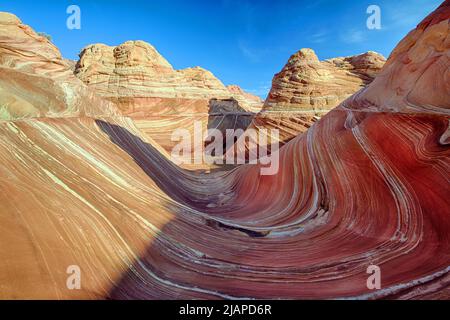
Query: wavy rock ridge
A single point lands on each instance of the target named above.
(367, 184)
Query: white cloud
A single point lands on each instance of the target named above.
(318, 37)
(253, 54)
(353, 36)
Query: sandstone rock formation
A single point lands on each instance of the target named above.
(366, 185)
(307, 88)
(254, 102)
(142, 82)
(227, 115)
(36, 82)
(311, 86)
(416, 78)
(147, 88)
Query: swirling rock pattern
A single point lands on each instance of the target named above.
(364, 185)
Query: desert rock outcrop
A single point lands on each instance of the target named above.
(137, 77)
(308, 85)
(160, 99)
(307, 88)
(35, 81)
(368, 184)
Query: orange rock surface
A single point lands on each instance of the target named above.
(311, 86)
(306, 89)
(147, 88)
(137, 77)
(368, 184)
(35, 81)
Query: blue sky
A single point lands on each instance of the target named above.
(242, 42)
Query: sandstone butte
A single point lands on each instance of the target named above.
(312, 86)
(306, 89)
(160, 99)
(146, 87)
(141, 81)
(367, 184)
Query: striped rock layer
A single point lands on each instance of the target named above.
(368, 184)
(306, 89)
(146, 87)
(311, 86)
(35, 81)
(137, 77)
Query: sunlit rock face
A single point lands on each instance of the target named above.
(160, 99)
(416, 78)
(365, 185)
(311, 86)
(36, 82)
(254, 103)
(307, 88)
(137, 77)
